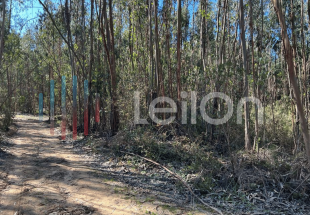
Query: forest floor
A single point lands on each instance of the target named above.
(42, 175)
(39, 174)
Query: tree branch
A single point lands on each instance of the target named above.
(179, 178)
(66, 41)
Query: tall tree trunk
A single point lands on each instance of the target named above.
(109, 49)
(68, 23)
(151, 93)
(157, 53)
(222, 42)
(91, 58)
(130, 38)
(203, 34)
(304, 63)
(289, 59)
(114, 120)
(261, 66)
(159, 72)
(246, 90)
(156, 49)
(254, 76)
(2, 37)
(309, 11)
(167, 22)
(179, 37)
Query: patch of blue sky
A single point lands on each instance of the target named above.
(25, 14)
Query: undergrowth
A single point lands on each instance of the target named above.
(196, 162)
(203, 165)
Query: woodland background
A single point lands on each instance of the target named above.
(256, 48)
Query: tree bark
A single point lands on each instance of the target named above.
(203, 34)
(2, 33)
(254, 77)
(91, 58)
(246, 109)
(151, 53)
(289, 59)
(167, 22)
(304, 63)
(179, 60)
(114, 108)
(130, 38)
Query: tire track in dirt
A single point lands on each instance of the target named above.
(45, 177)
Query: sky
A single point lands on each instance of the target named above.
(25, 14)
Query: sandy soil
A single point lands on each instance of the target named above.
(43, 176)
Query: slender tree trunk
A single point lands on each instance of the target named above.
(157, 55)
(2, 37)
(91, 58)
(289, 59)
(167, 22)
(151, 93)
(159, 72)
(68, 23)
(8, 106)
(114, 109)
(109, 49)
(222, 42)
(203, 34)
(130, 38)
(309, 11)
(246, 109)
(304, 63)
(260, 54)
(179, 37)
(218, 28)
(294, 55)
(254, 76)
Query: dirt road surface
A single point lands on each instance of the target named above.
(43, 176)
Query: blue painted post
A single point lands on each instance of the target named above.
(85, 107)
(41, 106)
(63, 107)
(52, 107)
(74, 118)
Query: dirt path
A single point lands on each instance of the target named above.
(45, 176)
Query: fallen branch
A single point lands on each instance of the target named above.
(306, 178)
(179, 178)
